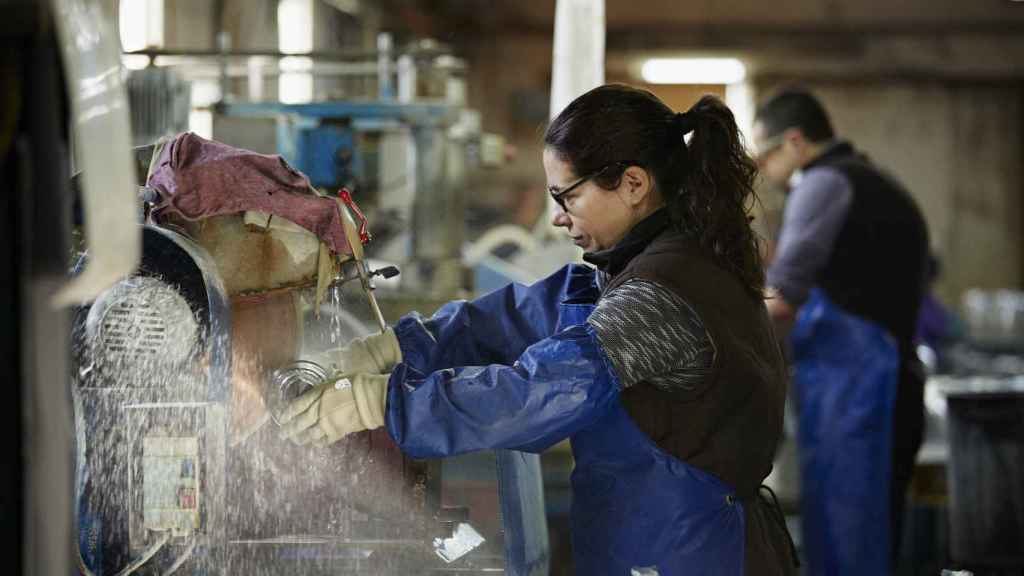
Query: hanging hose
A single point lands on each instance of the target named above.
(146, 556)
(134, 565)
(181, 559)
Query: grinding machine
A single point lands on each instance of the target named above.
(178, 369)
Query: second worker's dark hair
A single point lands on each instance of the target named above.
(707, 184)
(795, 108)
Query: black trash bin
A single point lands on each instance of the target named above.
(986, 473)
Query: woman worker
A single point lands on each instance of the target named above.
(658, 363)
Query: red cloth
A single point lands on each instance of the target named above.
(198, 178)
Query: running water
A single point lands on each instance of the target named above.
(164, 481)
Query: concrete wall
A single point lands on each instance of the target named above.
(190, 24)
(252, 24)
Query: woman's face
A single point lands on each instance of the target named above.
(594, 218)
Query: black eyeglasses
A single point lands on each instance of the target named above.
(559, 195)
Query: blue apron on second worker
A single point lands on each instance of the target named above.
(846, 377)
(636, 509)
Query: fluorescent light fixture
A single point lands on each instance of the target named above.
(295, 36)
(295, 84)
(205, 92)
(693, 71)
(141, 24)
(134, 61)
(200, 121)
(295, 26)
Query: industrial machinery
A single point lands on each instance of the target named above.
(394, 129)
(407, 161)
(151, 402)
(179, 466)
(975, 428)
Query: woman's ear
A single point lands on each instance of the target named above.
(636, 185)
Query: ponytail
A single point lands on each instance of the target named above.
(715, 190)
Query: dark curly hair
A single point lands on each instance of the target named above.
(707, 183)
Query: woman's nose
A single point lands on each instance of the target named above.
(560, 219)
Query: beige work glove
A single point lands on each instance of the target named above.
(374, 354)
(336, 409)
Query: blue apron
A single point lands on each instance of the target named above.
(846, 377)
(635, 509)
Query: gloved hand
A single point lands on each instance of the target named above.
(336, 409)
(374, 354)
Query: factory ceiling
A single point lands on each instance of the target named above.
(654, 22)
(928, 38)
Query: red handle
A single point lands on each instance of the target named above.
(346, 197)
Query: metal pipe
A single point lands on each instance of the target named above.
(325, 55)
(386, 89)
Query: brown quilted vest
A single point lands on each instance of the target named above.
(732, 424)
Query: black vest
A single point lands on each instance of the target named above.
(878, 266)
(732, 427)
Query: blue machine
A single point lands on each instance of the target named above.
(321, 139)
